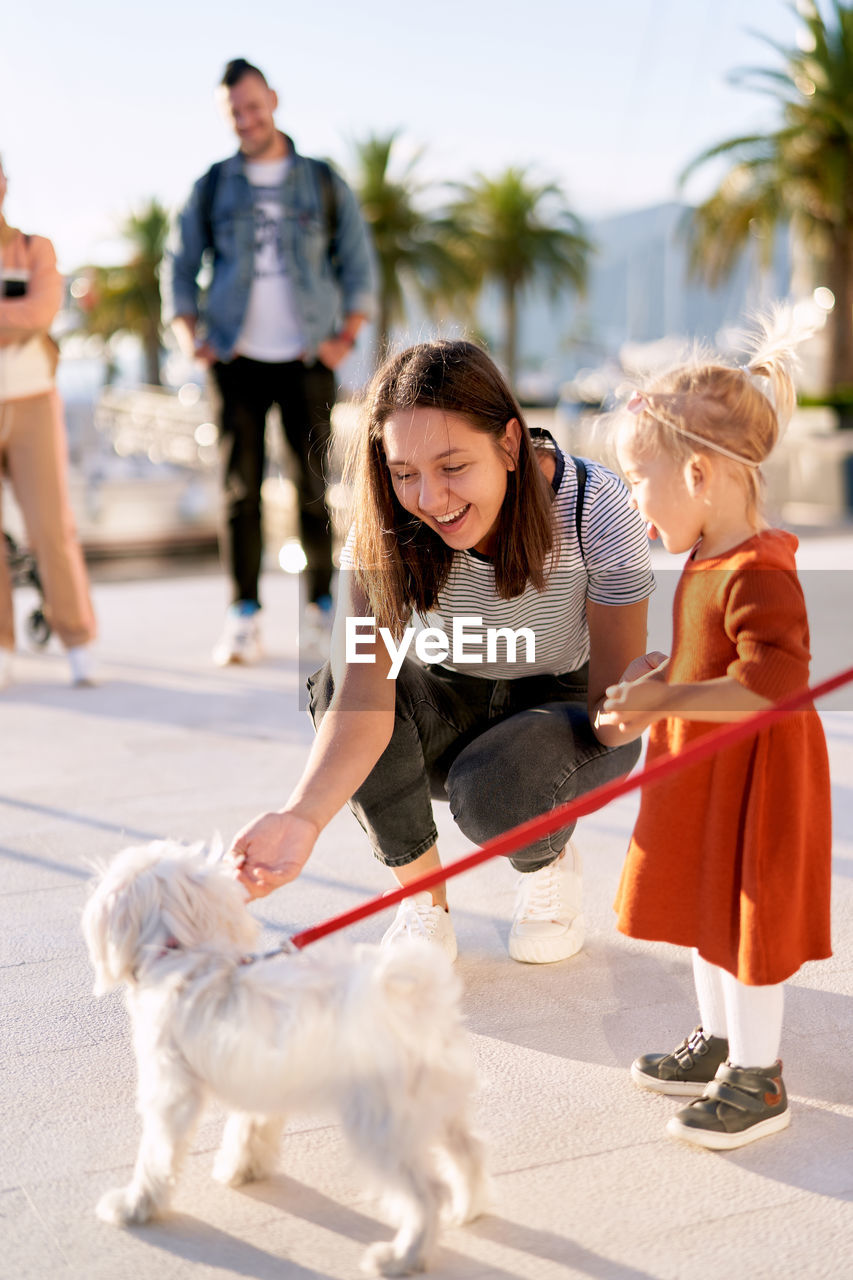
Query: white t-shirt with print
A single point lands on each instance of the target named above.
(271, 329)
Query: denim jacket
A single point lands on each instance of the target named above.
(325, 289)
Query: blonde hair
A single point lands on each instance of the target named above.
(737, 412)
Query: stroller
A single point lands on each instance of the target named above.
(23, 572)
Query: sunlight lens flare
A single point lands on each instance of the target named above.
(291, 557)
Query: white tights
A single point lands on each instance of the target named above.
(749, 1017)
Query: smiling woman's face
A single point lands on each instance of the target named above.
(448, 474)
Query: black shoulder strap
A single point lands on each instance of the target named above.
(327, 195)
(208, 194)
(580, 468)
(330, 205)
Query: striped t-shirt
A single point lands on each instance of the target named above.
(614, 569)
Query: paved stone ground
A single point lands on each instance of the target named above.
(588, 1184)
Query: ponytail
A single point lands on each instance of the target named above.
(774, 347)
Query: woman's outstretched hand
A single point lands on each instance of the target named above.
(271, 851)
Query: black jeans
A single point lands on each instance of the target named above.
(500, 751)
(305, 395)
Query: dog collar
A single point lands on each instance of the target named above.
(171, 944)
(285, 948)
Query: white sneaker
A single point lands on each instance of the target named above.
(240, 642)
(82, 664)
(548, 924)
(5, 667)
(417, 918)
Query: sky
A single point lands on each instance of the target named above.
(103, 106)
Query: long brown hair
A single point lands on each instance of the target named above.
(402, 564)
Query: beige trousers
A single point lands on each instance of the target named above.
(33, 453)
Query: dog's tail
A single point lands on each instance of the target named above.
(412, 1080)
(413, 985)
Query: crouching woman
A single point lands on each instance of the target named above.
(469, 524)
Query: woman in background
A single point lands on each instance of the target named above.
(33, 451)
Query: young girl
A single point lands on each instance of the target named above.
(466, 520)
(732, 856)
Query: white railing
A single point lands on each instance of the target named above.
(161, 425)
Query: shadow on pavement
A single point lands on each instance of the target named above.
(243, 711)
(47, 864)
(297, 1200)
(68, 815)
(553, 1248)
(200, 1243)
(801, 1156)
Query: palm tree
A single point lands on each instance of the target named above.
(126, 299)
(515, 232)
(411, 254)
(801, 173)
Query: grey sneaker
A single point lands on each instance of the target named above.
(738, 1106)
(687, 1070)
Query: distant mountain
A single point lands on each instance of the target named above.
(639, 291)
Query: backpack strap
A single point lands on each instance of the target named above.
(539, 433)
(580, 468)
(328, 196)
(210, 181)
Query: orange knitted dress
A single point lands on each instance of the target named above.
(733, 855)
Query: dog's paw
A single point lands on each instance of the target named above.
(121, 1208)
(382, 1259)
(468, 1203)
(231, 1175)
(236, 1173)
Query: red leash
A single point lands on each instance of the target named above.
(546, 823)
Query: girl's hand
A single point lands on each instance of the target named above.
(271, 851)
(634, 706)
(645, 667)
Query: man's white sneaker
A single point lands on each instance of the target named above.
(240, 642)
(417, 917)
(548, 924)
(82, 666)
(5, 667)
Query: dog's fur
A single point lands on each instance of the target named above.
(376, 1034)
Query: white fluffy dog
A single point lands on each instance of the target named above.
(376, 1034)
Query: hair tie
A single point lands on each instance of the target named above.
(637, 405)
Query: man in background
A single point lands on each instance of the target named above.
(291, 286)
